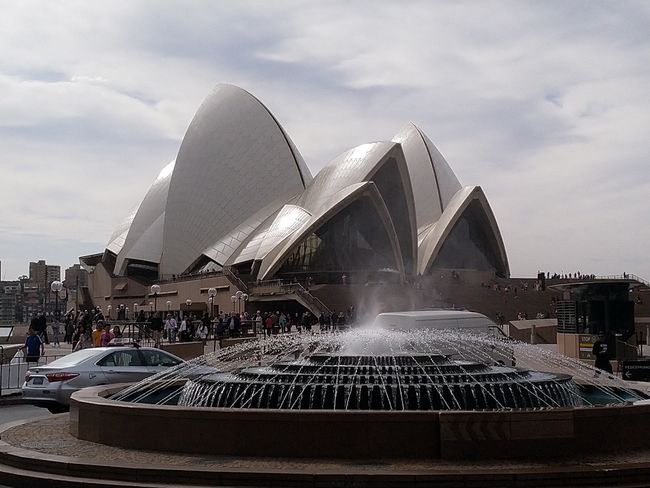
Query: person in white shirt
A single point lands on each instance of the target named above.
(171, 327)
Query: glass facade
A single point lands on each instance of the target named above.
(353, 240)
(389, 184)
(471, 244)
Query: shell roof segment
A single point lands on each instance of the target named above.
(144, 239)
(234, 161)
(434, 183)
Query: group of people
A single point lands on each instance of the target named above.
(86, 329)
(91, 329)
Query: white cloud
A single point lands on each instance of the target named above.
(545, 104)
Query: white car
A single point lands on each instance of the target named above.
(51, 385)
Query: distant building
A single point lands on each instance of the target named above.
(10, 297)
(73, 275)
(42, 274)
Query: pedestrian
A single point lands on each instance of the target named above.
(34, 347)
(203, 331)
(156, 325)
(106, 337)
(602, 359)
(55, 332)
(171, 326)
(97, 334)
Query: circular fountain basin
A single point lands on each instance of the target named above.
(548, 433)
(369, 395)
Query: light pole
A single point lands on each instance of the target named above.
(211, 293)
(121, 312)
(155, 289)
(169, 305)
(135, 309)
(56, 287)
(234, 300)
(126, 313)
(188, 303)
(109, 311)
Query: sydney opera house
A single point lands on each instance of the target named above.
(238, 209)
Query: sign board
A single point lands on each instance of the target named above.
(586, 345)
(636, 369)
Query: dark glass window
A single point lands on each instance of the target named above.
(354, 239)
(389, 184)
(471, 244)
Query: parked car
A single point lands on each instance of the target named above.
(51, 385)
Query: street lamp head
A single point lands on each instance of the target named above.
(245, 297)
(239, 294)
(121, 305)
(188, 302)
(155, 289)
(169, 304)
(212, 292)
(56, 286)
(233, 298)
(109, 307)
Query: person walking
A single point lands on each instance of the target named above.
(156, 325)
(34, 347)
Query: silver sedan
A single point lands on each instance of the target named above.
(51, 385)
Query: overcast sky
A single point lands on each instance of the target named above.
(546, 105)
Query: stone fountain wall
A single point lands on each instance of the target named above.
(558, 433)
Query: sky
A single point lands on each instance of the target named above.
(544, 104)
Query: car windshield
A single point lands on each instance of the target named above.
(159, 358)
(74, 358)
(122, 357)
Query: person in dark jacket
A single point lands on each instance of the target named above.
(602, 359)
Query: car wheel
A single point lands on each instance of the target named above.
(58, 408)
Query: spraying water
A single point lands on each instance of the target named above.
(371, 368)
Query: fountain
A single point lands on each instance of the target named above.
(370, 393)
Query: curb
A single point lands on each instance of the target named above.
(13, 399)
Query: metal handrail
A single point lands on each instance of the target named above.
(234, 279)
(626, 276)
(22, 366)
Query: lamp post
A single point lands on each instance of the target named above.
(155, 289)
(234, 300)
(121, 311)
(109, 311)
(126, 313)
(135, 309)
(169, 305)
(211, 293)
(56, 286)
(188, 303)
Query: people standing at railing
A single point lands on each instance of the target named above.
(106, 337)
(171, 327)
(202, 331)
(182, 329)
(282, 321)
(97, 334)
